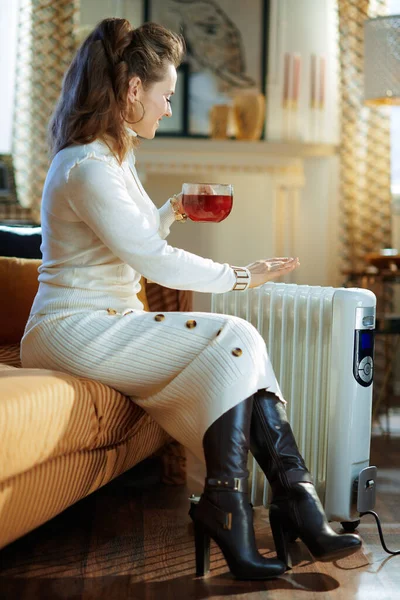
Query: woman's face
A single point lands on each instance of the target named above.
(156, 102)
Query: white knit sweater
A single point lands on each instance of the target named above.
(101, 232)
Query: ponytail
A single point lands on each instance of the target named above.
(93, 99)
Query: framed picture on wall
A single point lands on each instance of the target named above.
(226, 54)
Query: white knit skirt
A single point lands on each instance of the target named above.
(183, 368)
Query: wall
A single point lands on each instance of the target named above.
(93, 11)
(318, 227)
(304, 28)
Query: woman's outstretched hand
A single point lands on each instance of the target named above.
(271, 268)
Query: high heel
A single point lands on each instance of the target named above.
(281, 536)
(202, 547)
(295, 509)
(321, 541)
(223, 512)
(303, 515)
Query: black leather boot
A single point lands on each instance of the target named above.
(295, 509)
(223, 512)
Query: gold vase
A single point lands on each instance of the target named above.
(249, 116)
(219, 117)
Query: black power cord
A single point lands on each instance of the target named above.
(378, 522)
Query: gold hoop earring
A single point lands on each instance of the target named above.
(138, 121)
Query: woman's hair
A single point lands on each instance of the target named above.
(93, 100)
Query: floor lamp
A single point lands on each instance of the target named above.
(382, 71)
(382, 60)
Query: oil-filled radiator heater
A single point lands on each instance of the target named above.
(320, 341)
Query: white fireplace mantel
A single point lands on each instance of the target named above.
(282, 160)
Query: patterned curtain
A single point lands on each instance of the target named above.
(365, 163)
(365, 145)
(46, 44)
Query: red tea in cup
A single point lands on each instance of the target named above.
(207, 202)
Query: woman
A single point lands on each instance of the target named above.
(203, 377)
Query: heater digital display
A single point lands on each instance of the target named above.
(367, 339)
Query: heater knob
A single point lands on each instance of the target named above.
(365, 369)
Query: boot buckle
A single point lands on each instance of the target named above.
(194, 499)
(237, 484)
(228, 521)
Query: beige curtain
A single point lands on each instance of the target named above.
(46, 44)
(365, 145)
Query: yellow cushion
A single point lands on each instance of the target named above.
(35, 496)
(46, 414)
(18, 286)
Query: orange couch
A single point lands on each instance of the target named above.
(63, 437)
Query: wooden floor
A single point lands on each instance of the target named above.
(133, 540)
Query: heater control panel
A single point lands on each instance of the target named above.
(364, 334)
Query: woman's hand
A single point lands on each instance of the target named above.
(268, 269)
(176, 202)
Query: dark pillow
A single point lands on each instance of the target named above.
(20, 241)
